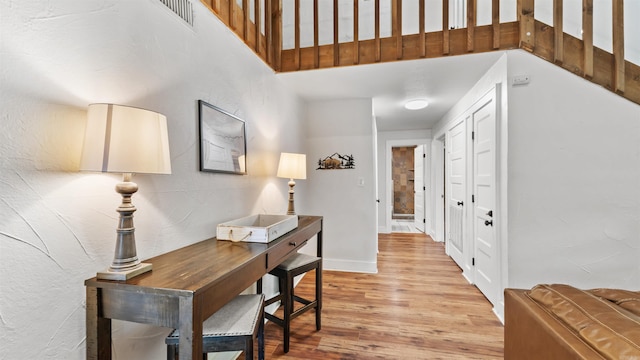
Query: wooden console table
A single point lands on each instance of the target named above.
(186, 286)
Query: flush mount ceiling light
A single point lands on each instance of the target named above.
(416, 104)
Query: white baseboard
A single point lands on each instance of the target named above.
(498, 310)
(383, 230)
(464, 275)
(349, 266)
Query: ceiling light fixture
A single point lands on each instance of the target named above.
(416, 104)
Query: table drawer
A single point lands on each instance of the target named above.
(281, 251)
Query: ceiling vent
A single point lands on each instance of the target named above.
(182, 8)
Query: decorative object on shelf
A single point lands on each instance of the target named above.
(292, 166)
(262, 228)
(336, 162)
(125, 140)
(223, 146)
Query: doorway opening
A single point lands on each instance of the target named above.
(399, 214)
(403, 175)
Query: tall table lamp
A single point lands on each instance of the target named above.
(292, 166)
(125, 140)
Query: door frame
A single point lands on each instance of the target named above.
(388, 178)
(420, 222)
(438, 193)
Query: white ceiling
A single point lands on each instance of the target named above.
(442, 81)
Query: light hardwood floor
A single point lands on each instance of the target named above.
(418, 306)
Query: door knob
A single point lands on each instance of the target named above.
(490, 213)
(460, 203)
(488, 222)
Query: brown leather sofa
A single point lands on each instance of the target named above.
(562, 322)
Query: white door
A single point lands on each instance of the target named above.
(484, 184)
(456, 166)
(418, 188)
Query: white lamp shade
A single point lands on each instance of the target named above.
(125, 140)
(292, 166)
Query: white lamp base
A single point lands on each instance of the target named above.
(124, 274)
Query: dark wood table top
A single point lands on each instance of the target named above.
(198, 266)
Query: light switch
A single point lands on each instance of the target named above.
(360, 181)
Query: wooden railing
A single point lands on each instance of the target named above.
(259, 24)
(580, 56)
(259, 31)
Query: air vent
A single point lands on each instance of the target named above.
(182, 8)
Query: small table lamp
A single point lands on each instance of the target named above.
(125, 140)
(292, 166)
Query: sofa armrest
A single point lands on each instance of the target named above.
(531, 332)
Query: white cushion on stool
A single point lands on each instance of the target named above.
(237, 318)
(297, 260)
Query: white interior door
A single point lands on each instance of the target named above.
(418, 188)
(456, 187)
(484, 184)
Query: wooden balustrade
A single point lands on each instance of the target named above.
(580, 56)
(398, 46)
(547, 41)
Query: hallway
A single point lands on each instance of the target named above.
(417, 307)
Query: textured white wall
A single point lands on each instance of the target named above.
(574, 180)
(57, 226)
(350, 234)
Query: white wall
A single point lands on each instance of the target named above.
(574, 181)
(350, 234)
(57, 226)
(395, 138)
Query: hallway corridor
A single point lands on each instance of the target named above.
(418, 306)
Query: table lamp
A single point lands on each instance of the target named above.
(292, 166)
(125, 140)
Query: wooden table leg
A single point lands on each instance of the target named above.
(319, 280)
(98, 328)
(190, 342)
(319, 296)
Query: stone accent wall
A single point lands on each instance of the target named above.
(402, 174)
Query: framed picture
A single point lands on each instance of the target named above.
(223, 146)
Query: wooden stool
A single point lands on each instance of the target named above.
(234, 327)
(297, 264)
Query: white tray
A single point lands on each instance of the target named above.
(261, 228)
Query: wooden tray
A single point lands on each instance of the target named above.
(262, 228)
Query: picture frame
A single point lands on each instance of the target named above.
(223, 145)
